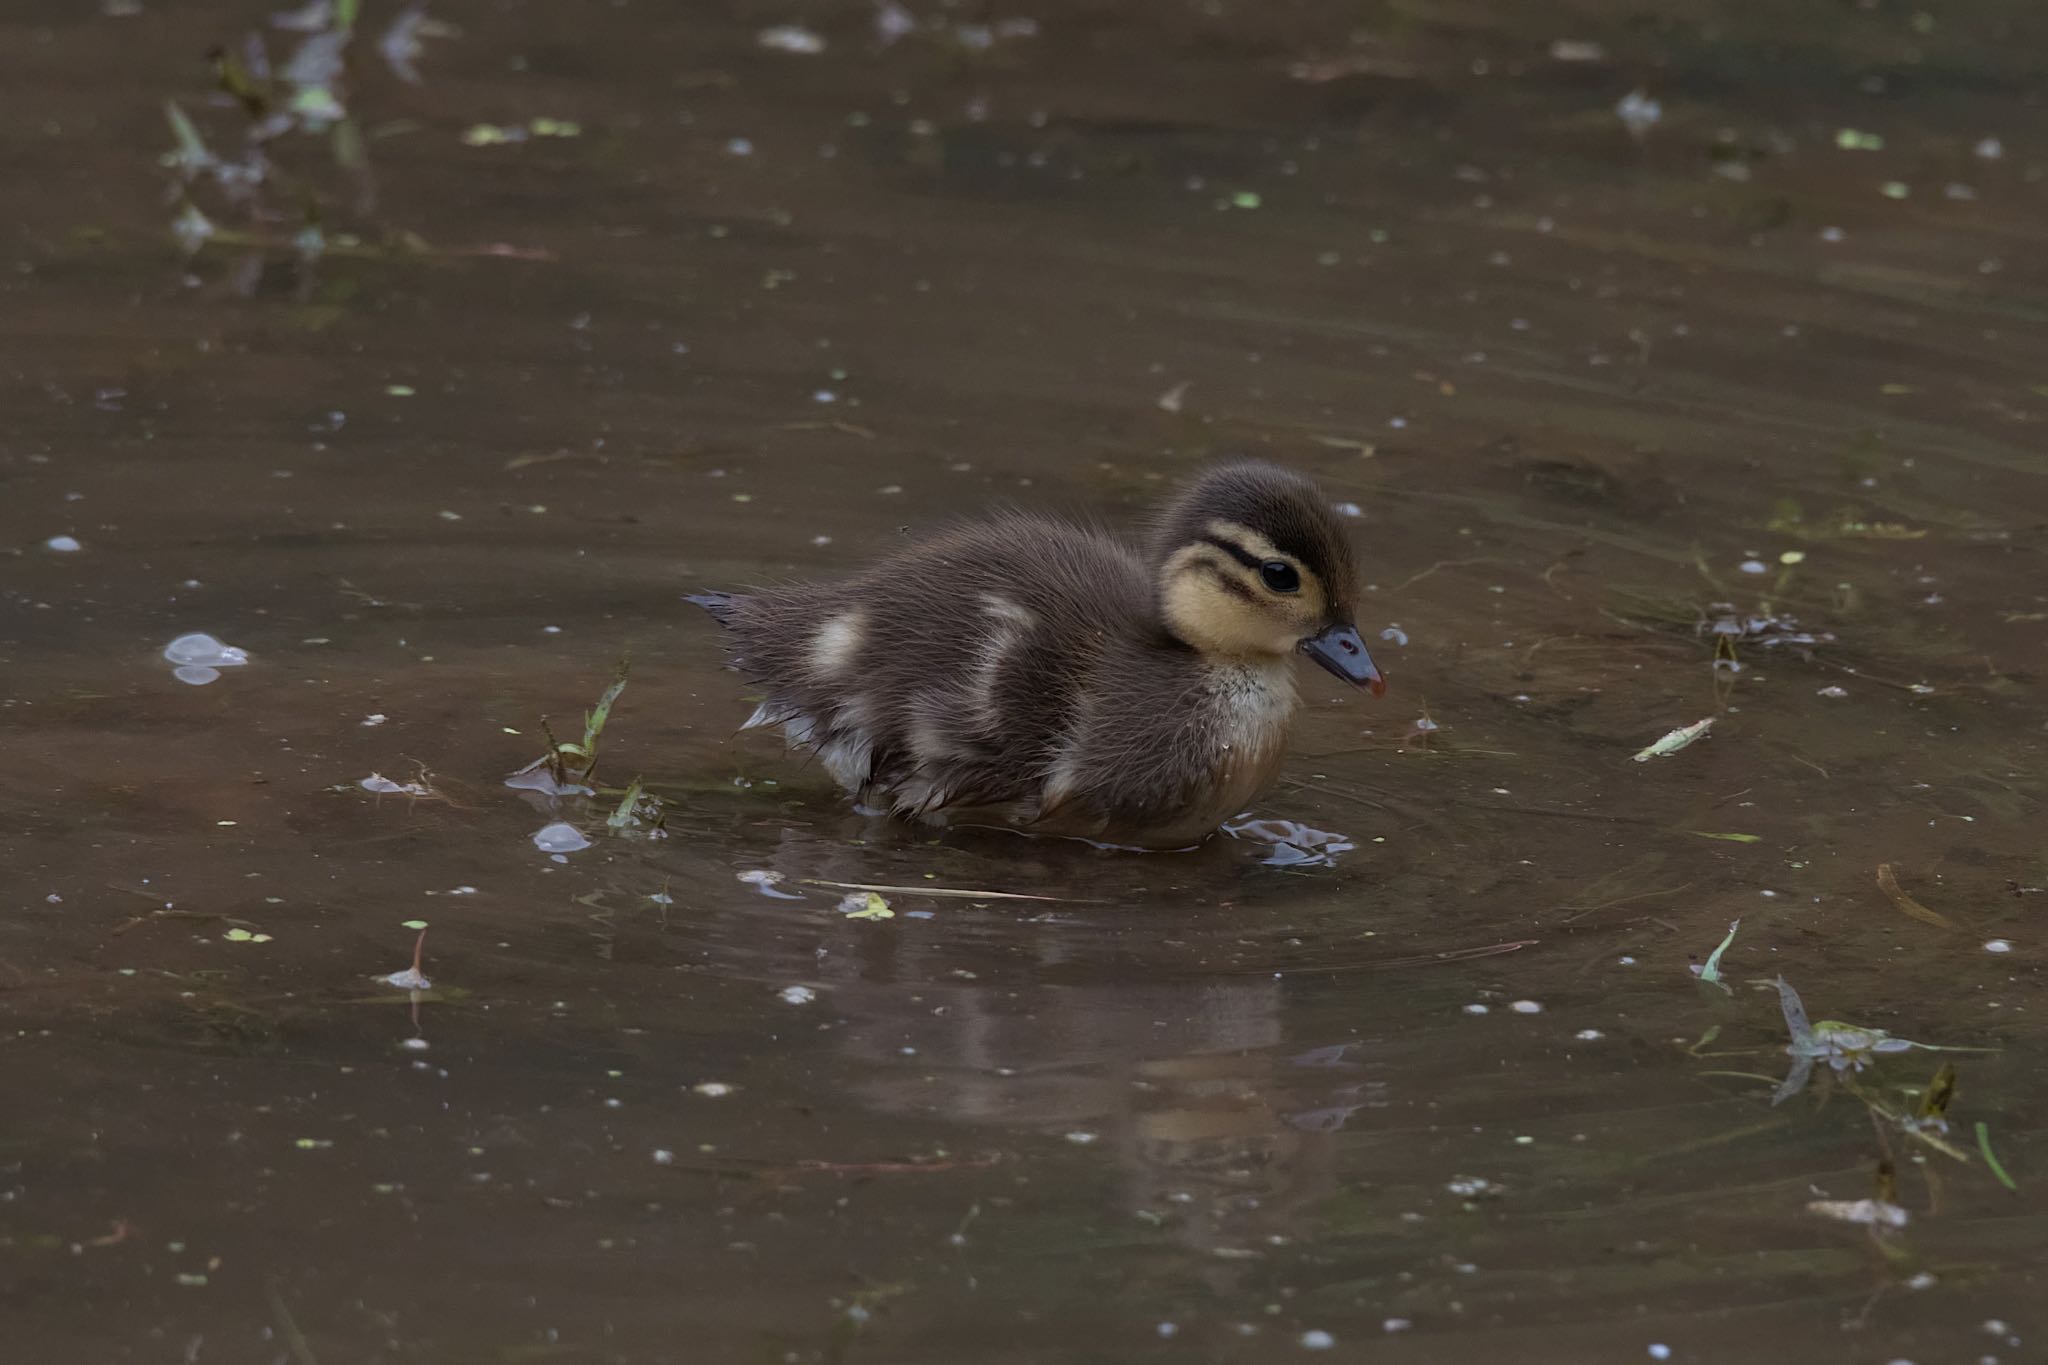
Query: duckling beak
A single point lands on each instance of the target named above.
(1341, 651)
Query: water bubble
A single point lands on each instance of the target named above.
(200, 651)
(560, 837)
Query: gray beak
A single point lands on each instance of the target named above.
(1341, 651)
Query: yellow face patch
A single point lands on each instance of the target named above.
(1214, 601)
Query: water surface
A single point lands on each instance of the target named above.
(1455, 1098)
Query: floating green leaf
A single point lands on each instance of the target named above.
(1683, 737)
(866, 905)
(623, 817)
(191, 155)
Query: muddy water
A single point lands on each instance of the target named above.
(1456, 1098)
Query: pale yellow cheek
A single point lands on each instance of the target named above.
(1219, 622)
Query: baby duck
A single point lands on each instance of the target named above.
(1025, 672)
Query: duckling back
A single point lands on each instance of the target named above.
(945, 678)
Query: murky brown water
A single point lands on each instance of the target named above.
(1189, 1107)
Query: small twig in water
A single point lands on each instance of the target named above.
(959, 893)
(1888, 883)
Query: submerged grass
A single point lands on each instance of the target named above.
(1991, 1160)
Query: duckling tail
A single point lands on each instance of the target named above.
(721, 606)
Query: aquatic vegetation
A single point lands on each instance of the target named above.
(275, 196)
(1710, 972)
(551, 774)
(412, 979)
(1850, 1049)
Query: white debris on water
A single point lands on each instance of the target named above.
(1576, 50)
(63, 545)
(893, 21)
(791, 38)
(1638, 113)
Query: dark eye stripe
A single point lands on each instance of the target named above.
(1234, 550)
(1231, 581)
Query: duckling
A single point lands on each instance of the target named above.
(1026, 672)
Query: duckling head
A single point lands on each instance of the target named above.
(1253, 565)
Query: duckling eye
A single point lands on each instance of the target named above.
(1280, 576)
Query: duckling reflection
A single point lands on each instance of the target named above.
(1223, 1134)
